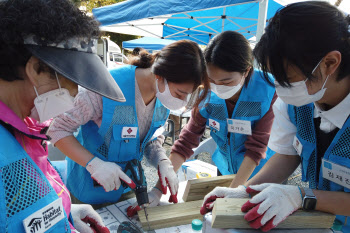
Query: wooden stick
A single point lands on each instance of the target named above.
(171, 215)
(196, 189)
(227, 214)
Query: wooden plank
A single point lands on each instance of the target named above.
(196, 189)
(227, 214)
(171, 215)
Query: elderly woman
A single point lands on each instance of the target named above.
(46, 50)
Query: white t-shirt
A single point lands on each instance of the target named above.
(283, 130)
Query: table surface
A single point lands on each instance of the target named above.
(115, 217)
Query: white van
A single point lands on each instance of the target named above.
(110, 53)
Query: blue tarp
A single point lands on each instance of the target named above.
(149, 43)
(138, 9)
(198, 20)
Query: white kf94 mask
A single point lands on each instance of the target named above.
(52, 103)
(298, 94)
(169, 101)
(225, 92)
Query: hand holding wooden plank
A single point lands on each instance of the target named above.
(222, 192)
(271, 205)
(227, 214)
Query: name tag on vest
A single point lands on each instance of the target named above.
(214, 124)
(336, 173)
(129, 132)
(45, 218)
(297, 145)
(239, 126)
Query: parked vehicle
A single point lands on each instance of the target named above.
(110, 53)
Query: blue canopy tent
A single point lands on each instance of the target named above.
(148, 43)
(197, 20)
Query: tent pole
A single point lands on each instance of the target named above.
(122, 55)
(261, 18)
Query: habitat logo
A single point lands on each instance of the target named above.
(45, 218)
(35, 225)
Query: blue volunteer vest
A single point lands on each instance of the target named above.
(107, 142)
(338, 152)
(24, 189)
(253, 103)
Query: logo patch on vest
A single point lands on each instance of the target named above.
(336, 173)
(129, 132)
(297, 145)
(239, 126)
(45, 218)
(214, 124)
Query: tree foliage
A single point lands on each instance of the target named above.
(91, 4)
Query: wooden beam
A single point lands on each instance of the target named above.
(171, 215)
(196, 189)
(227, 214)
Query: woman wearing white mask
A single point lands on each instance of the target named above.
(40, 69)
(239, 112)
(306, 47)
(114, 133)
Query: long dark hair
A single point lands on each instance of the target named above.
(179, 62)
(302, 34)
(54, 20)
(230, 51)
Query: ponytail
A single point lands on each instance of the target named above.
(142, 59)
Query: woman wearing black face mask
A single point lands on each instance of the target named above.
(306, 47)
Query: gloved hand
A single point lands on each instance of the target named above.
(108, 174)
(167, 176)
(154, 198)
(272, 204)
(222, 192)
(84, 215)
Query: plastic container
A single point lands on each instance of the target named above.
(337, 226)
(197, 226)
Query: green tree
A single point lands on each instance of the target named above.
(91, 4)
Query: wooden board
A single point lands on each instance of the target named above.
(227, 214)
(171, 215)
(196, 189)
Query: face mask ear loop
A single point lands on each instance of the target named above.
(166, 86)
(314, 71)
(59, 85)
(325, 82)
(316, 67)
(243, 78)
(36, 92)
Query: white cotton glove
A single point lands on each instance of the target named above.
(168, 177)
(154, 198)
(108, 174)
(222, 192)
(84, 215)
(271, 204)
